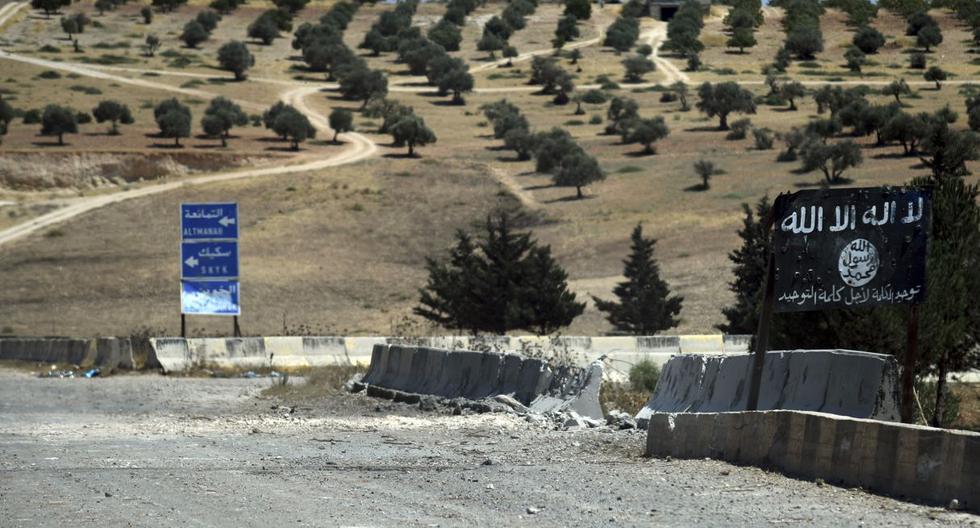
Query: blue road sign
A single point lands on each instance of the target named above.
(210, 298)
(209, 260)
(208, 221)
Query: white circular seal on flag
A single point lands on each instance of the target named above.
(858, 262)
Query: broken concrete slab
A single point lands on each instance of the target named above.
(533, 384)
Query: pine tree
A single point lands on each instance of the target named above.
(750, 271)
(645, 305)
(501, 283)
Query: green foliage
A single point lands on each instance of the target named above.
(114, 112)
(805, 42)
(291, 6)
(49, 6)
(637, 66)
(742, 38)
(739, 129)
(341, 120)
(265, 28)
(645, 305)
(173, 119)
(167, 6)
(290, 124)
(151, 45)
(7, 114)
(208, 19)
(580, 9)
(59, 120)
(917, 61)
(855, 59)
(147, 13)
(929, 37)
(31, 117)
(221, 116)
(622, 34)
(501, 283)
(358, 82)
(937, 75)
(723, 99)
(684, 30)
(868, 39)
(644, 376)
(412, 132)
(646, 132)
(831, 159)
(235, 57)
(763, 138)
(194, 34)
(446, 34)
(577, 169)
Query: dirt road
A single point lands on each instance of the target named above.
(147, 450)
(358, 147)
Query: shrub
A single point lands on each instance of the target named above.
(49, 74)
(739, 129)
(917, 61)
(644, 375)
(596, 119)
(32, 117)
(763, 138)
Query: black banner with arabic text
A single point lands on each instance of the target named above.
(851, 248)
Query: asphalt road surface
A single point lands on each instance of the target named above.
(149, 450)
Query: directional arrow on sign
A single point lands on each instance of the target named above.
(225, 221)
(191, 262)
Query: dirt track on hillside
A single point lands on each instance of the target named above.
(358, 146)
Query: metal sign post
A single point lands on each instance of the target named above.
(847, 248)
(209, 263)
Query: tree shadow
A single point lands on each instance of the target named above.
(166, 146)
(538, 187)
(713, 128)
(507, 159)
(495, 148)
(448, 102)
(572, 198)
(697, 187)
(640, 153)
(210, 146)
(401, 155)
(893, 155)
(49, 144)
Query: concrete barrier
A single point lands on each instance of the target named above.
(907, 461)
(477, 375)
(175, 354)
(848, 383)
(107, 352)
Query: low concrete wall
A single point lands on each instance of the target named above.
(106, 352)
(844, 382)
(907, 461)
(478, 375)
(177, 354)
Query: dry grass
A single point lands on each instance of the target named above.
(319, 382)
(621, 396)
(969, 394)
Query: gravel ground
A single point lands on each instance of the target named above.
(149, 450)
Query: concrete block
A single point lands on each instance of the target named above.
(844, 382)
(907, 461)
(478, 375)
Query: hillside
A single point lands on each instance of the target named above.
(341, 249)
